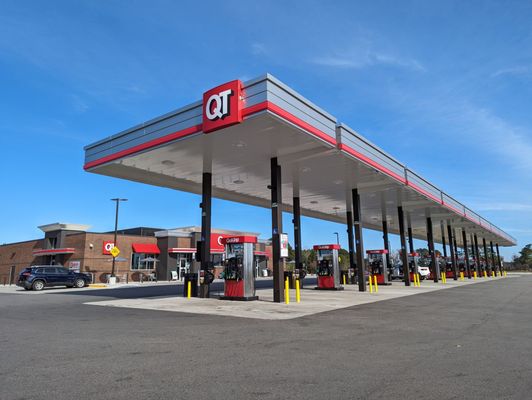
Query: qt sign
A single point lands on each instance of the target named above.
(107, 247)
(222, 106)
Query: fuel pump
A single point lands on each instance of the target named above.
(448, 265)
(328, 267)
(378, 265)
(238, 268)
(413, 259)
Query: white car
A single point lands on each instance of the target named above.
(424, 272)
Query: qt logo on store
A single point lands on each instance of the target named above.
(222, 106)
(107, 247)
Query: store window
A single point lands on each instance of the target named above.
(143, 261)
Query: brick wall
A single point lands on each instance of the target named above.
(18, 255)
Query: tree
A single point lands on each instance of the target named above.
(525, 255)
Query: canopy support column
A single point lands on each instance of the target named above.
(477, 255)
(486, 260)
(351, 242)
(493, 265)
(297, 232)
(205, 255)
(386, 267)
(357, 219)
(277, 228)
(432, 252)
(404, 256)
(411, 247)
(466, 254)
(499, 259)
(451, 248)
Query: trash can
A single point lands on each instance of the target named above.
(193, 279)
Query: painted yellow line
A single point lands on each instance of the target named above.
(98, 285)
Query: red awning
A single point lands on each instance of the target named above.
(147, 248)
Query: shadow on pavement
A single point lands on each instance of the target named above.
(172, 289)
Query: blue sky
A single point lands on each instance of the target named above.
(444, 86)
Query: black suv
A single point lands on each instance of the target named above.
(37, 277)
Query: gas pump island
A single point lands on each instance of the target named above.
(378, 265)
(238, 272)
(328, 267)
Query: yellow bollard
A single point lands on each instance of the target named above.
(298, 296)
(343, 278)
(444, 277)
(376, 285)
(189, 289)
(474, 274)
(505, 275)
(370, 284)
(286, 292)
(417, 279)
(485, 274)
(461, 275)
(493, 274)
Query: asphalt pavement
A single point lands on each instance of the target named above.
(470, 342)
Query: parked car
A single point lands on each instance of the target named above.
(424, 272)
(38, 277)
(397, 272)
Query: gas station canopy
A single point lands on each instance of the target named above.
(239, 127)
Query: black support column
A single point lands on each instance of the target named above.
(205, 250)
(358, 241)
(277, 228)
(387, 267)
(453, 254)
(493, 266)
(411, 246)
(404, 256)
(466, 254)
(486, 262)
(499, 259)
(477, 254)
(351, 241)
(297, 232)
(432, 252)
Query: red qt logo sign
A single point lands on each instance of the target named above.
(222, 106)
(107, 247)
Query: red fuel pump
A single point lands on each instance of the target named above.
(238, 270)
(328, 267)
(378, 265)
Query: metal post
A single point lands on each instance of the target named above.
(404, 257)
(466, 254)
(206, 201)
(499, 258)
(358, 241)
(277, 228)
(493, 266)
(477, 253)
(387, 267)
(411, 246)
(117, 201)
(473, 251)
(297, 231)
(350, 241)
(452, 251)
(432, 252)
(486, 262)
(444, 245)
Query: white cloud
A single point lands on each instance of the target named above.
(368, 59)
(258, 49)
(501, 206)
(516, 70)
